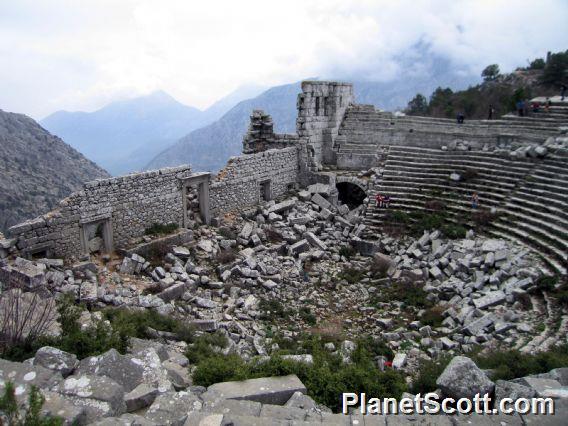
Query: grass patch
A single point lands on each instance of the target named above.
(347, 252)
(161, 229)
(409, 293)
(514, 364)
(272, 310)
(307, 315)
(351, 275)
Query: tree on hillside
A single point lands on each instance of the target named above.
(556, 69)
(491, 72)
(418, 105)
(441, 102)
(537, 64)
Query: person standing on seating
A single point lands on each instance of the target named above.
(547, 105)
(562, 91)
(474, 200)
(379, 200)
(491, 112)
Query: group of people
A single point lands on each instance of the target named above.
(382, 200)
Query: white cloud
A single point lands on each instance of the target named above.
(64, 54)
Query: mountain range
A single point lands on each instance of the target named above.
(37, 169)
(156, 131)
(125, 135)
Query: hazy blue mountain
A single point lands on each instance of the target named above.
(208, 148)
(125, 135)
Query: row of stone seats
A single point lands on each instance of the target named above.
(536, 212)
(530, 195)
(365, 126)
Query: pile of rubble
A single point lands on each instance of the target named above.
(297, 252)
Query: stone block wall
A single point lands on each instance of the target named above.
(238, 185)
(127, 204)
(321, 108)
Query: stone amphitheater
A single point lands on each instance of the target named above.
(309, 198)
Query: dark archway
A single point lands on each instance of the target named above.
(350, 194)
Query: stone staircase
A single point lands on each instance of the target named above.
(530, 195)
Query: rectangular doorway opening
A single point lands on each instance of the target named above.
(97, 237)
(265, 190)
(196, 200)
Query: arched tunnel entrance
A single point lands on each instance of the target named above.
(350, 194)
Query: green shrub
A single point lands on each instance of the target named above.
(273, 310)
(409, 293)
(351, 275)
(433, 317)
(514, 364)
(397, 216)
(219, 368)
(307, 315)
(428, 373)
(135, 323)
(161, 229)
(347, 252)
(31, 412)
(453, 232)
(204, 346)
(325, 380)
(546, 283)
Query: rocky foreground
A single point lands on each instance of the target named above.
(149, 386)
(283, 270)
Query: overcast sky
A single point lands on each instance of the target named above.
(82, 54)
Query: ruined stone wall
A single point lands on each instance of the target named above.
(238, 185)
(321, 107)
(130, 204)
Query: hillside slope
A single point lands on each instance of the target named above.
(37, 169)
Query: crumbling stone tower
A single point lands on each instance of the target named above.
(321, 107)
(260, 133)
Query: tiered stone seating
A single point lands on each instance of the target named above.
(531, 195)
(536, 212)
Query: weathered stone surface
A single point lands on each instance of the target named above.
(100, 396)
(141, 396)
(128, 370)
(25, 375)
(463, 379)
(56, 405)
(505, 389)
(56, 360)
(490, 299)
(172, 408)
(269, 390)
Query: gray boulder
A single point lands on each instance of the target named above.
(56, 360)
(128, 370)
(100, 396)
(463, 379)
(505, 389)
(172, 408)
